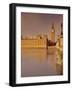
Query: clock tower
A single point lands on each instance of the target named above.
(53, 33)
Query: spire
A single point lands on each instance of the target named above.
(52, 26)
(61, 28)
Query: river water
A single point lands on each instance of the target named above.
(41, 62)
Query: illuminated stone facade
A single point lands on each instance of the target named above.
(59, 43)
(34, 43)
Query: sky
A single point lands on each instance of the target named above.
(33, 24)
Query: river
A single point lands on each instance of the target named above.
(41, 62)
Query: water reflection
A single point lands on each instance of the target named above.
(59, 64)
(41, 62)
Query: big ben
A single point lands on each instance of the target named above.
(52, 33)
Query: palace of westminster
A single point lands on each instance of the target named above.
(42, 41)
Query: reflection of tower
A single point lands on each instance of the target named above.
(53, 33)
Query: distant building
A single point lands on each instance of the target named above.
(59, 43)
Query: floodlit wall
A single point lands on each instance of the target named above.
(34, 43)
